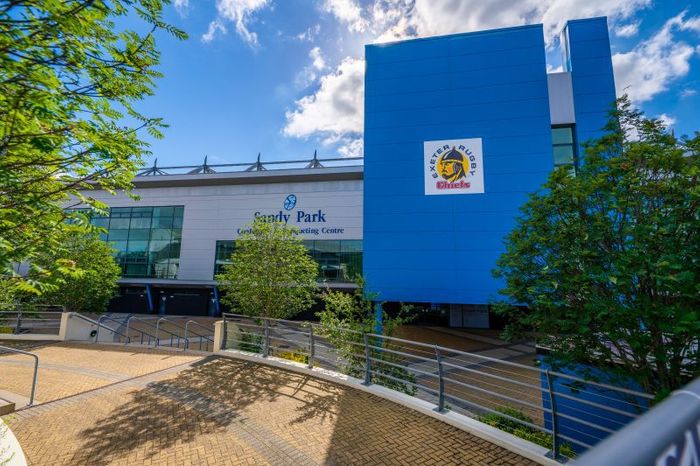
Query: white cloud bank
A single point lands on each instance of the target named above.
(334, 112)
(651, 66)
(644, 71)
(239, 12)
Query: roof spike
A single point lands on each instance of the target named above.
(257, 166)
(314, 162)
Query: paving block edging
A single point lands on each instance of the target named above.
(486, 432)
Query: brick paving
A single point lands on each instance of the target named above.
(66, 369)
(223, 411)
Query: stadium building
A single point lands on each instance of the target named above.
(458, 130)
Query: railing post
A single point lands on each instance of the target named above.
(368, 362)
(127, 340)
(312, 349)
(555, 419)
(225, 335)
(18, 323)
(36, 370)
(97, 333)
(266, 344)
(157, 336)
(441, 381)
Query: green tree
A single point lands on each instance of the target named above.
(345, 319)
(607, 260)
(71, 72)
(93, 283)
(271, 273)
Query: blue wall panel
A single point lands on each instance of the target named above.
(490, 85)
(590, 64)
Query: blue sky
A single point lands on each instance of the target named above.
(284, 77)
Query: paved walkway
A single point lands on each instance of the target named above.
(223, 411)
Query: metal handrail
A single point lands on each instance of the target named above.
(187, 341)
(571, 407)
(25, 317)
(101, 325)
(36, 368)
(128, 323)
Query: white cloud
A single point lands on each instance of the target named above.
(319, 114)
(310, 34)
(238, 12)
(309, 74)
(335, 111)
(651, 66)
(317, 58)
(685, 93)
(214, 27)
(351, 147)
(181, 6)
(627, 30)
(667, 120)
(433, 17)
(348, 12)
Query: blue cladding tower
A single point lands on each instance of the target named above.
(458, 132)
(586, 50)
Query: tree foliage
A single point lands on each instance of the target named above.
(71, 72)
(271, 273)
(93, 283)
(346, 318)
(607, 261)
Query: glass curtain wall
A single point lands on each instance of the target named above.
(339, 261)
(146, 239)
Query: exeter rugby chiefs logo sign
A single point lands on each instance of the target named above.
(453, 167)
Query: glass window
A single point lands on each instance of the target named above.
(562, 136)
(118, 235)
(119, 223)
(140, 235)
(564, 146)
(163, 211)
(563, 155)
(145, 239)
(161, 234)
(162, 222)
(224, 250)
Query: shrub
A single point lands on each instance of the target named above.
(521, 430)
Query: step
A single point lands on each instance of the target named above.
(6, 407)
(9, 402)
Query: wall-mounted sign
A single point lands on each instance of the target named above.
(453, 166)
(308, 222)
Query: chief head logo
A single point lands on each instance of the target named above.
(289, 202)
(453, 165)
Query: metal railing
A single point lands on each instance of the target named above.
(159, 331)
(564, 412)
(36, 368)
(207, 168)
(665, 436)
(37, 319)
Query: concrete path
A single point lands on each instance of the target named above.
(223, 411)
